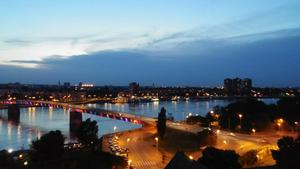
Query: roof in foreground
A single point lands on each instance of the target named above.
(181, 161)
(265, 167)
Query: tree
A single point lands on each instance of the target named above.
(256, 114)
(288, 155)
(220, 159)
(207, 137)
(87, 133)
(249, 158)
(161, 124)
(50, 145)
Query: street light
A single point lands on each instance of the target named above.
(191, 157)
(279, 123)
(240, 116)
(156, 140)
(10, 150)
(128, 140)
(253, 130)
(129, 162)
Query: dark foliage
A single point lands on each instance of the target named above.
(87, 133)
(289, 108)
(49, 146)
(7, 162)
(207, 137)
(161, 123)
(220, 159)
(197, 119)
(256, 114)
(249, 158)
(48, 153)
(82, 159)
(288, 155)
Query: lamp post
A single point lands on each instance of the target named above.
(128, 140)
(253, 131)
(129, 163)
(240, 116)
(279, 123)
(156, 140)
(279, 126)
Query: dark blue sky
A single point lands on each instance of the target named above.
(192, 43)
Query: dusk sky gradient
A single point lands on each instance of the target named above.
(166, 42)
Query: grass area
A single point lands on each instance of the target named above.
(177, 140)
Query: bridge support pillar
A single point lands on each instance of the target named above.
(14, 113)
(75, 121)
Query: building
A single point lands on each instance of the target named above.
(238, 86)
(67, 84)
(85, 86)
(134, 87)
(181, 161)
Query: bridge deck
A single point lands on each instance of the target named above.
(106, 113)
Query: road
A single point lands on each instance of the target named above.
(143, 150)
(145, 154)
(241, 143)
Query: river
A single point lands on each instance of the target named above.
(35, 121)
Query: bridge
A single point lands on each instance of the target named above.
(76, 112)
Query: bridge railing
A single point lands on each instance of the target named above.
(136, 119)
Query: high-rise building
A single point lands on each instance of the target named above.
(247, 86)
(238, 86)
(228, 85)
(67, 84)
(134, 87)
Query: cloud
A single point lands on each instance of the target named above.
(268, 61)
(275, 23)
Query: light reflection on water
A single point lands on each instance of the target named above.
(179, 109)
(35, 121)
(38, 120)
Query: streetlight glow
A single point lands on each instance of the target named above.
(129, 162)
(240, 115)
(10, 150)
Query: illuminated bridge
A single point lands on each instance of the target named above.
(75, 112)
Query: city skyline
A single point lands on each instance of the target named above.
(166, 43)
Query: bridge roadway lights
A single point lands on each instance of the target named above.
(14, 113)
(75, 121)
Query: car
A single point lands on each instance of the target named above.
(263, 140)
(231, 134)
